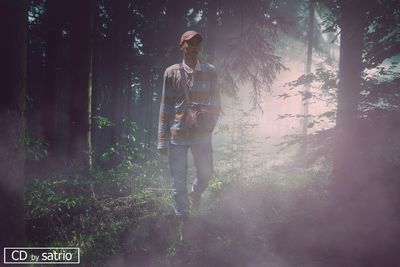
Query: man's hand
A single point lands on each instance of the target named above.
(163, 151)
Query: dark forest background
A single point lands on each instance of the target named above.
(80, 92)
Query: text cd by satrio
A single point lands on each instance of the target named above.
(41, 255)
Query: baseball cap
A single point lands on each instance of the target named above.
(189, 35)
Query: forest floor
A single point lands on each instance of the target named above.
(276, 215)
(257, 224)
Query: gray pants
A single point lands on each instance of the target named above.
(178, 166)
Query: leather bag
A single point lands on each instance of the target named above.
(197, 116)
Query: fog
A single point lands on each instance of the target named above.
(274, 209)
(305, 156)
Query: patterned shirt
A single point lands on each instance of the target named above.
(202, 89)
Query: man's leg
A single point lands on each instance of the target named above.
(178, 164)
(203, 161)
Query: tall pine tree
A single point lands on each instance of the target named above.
(13, 49)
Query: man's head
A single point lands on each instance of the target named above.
(190, 44)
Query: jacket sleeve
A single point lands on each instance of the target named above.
(166, 105)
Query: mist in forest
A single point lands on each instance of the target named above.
(305, 151)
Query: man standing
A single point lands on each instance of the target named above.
(174, 136)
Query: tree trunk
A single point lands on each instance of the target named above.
(52, 61)
(81, 86)
(212, 6)
(175, 26)
(149, 106)
(13, 49)
(310, 40)
(130, 95)
(150, 120)
(347, 159)
(119, 43)
(101, 93)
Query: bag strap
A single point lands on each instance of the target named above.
(185, 85)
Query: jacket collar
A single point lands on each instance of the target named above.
(189, 69)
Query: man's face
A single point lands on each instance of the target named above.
(191, 48)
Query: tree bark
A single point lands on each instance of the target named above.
(175, 27)
(81, 85)
(212, 6)
(52, 61)
(150, 114)
(347, 166)
(13, 49)
(118, 44)
(147, 101)
(310, 41)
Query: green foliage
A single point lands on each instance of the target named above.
(250, 58)
(35, 149)
(76, 212)
(51, 207)
(93, 212)
(102, 122)
(379, 104)
(43, 199)
(239, 150)
(127, 184)
(238, 155)
(135, 164)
